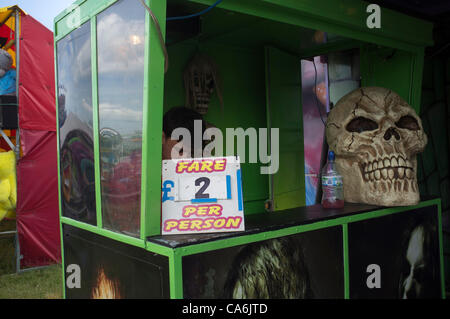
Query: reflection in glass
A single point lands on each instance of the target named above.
(120, 32)
(315, 99)
(75, 125)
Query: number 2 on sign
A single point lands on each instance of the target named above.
(201, 192)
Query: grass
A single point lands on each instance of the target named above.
(45, 283)
(7, 255)
(7, 247)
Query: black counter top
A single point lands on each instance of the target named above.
(257, 223)
(263, 222)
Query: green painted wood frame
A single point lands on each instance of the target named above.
(344, 18)
(152, 122)
(59, 176)
(347, 18)
(153, 86)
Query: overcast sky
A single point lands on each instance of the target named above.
(42, 10)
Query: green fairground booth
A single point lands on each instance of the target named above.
(274, 64)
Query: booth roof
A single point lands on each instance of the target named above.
(11, 8)
(4, 12)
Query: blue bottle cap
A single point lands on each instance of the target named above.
(331, 156)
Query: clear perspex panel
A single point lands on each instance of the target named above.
(75, 126)
(120, 43)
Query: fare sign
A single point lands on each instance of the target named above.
(202, 196)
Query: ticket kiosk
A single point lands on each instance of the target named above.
(121, 64)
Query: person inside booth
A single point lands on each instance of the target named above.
(175, 118)
(7, 74)
(185, 118)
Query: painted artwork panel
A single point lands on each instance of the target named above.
(301, 266)
(396, 256)
(101, 268)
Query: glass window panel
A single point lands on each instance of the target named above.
(120, 32)
(75, 126)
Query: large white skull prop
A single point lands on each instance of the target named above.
(376, 136)
(200, 81)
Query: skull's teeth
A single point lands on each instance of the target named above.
(409, 173)
(397, 185)
(385, 163)
(377, 175)
(401, 172)
(391, 173)
(394, 162)
(395, 168)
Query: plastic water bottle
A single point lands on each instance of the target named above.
(332, 185)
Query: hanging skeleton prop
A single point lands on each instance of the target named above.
(200, 81)
(376, 136)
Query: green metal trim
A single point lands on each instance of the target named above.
(269, 122)
(152, 123)
(441, 250)
(95, 126)
(93, 8)
(391, 210)
(61, 15)
(328, 48)
(176, 275)
(59, 170)
(353, 14)
(341, 17)
(245, 239)
(416, 82)
(104, 232)
(67, 32)
(145, 128)
(346, 261)
(159, 249)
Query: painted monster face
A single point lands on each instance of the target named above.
(376, 136)
(201, 81)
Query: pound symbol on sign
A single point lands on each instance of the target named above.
(167, 188)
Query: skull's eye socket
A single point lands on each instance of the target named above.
(196, 80)
(408, 122)
(211, 84)
(361, 124)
